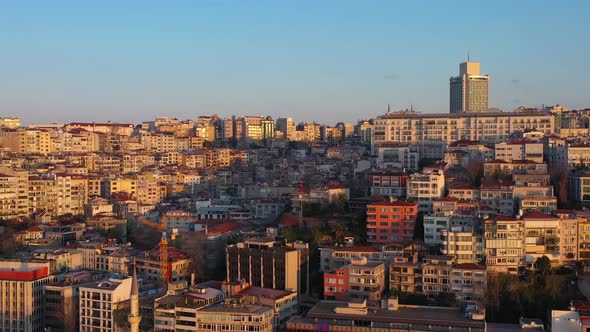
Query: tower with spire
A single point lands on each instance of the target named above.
(134, 317)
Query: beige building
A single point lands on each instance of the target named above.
(24, 140)
(488, 127)
(366, 280)
(406, 275)
(10, 123)
(234, 315)
(287, 127)
(99, 301)
(578, 155)
(436, 274)
(424, 188)
(541, 237)
(504, 245)
(468, 282)
(519, 149)
(463, 244)
(469, 91)
(21, 300)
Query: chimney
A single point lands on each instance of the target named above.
(193, 279)
(392, 198)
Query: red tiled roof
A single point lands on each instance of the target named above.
(223, 228)
(502, 217)
(173, 253)
(469, 266)
(538, 215)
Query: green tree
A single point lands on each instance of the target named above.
(543, 265)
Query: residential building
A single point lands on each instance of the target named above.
(62, 302)
(583, 236)
(366, 280)
(486, 127)
(178, 265)
(519, 149)
(178, 309)
(434, 224)
(465, 192)
(436, 272)
(356, 316)
(25, 140)
(398, 156)
(578, 155)
(462, 243)
(426, 187)
(336, 284)
(100, 300)
(9, 123)
(498, 195)
(406, 274)
(235, 314)
(287, 127)
(391, 221)
(268, 263)
(335, 257)
(579, 186)
(469, 91)
(388, 183)
(568, 236)
(541, 237)
(468, 282)
(21, 300)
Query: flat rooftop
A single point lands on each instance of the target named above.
(404, 314)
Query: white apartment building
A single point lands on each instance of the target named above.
(21, 295)
(579, 186)
(434, 224)
(519, 149)
(98, 302)
(504, 245)
(468, 282)
(541, 237)
(398, 156)
(463, 244)
(426, 187)
(578, 155)
(487, 127)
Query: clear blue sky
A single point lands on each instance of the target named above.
(326, 61)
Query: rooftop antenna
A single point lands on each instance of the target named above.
(467, 55)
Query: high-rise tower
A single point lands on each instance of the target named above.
(134, 317)
(469, 90)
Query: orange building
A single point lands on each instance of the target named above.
(336, 284)
(391, 221)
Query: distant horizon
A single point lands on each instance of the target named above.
(326, 61)
(296, 121)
